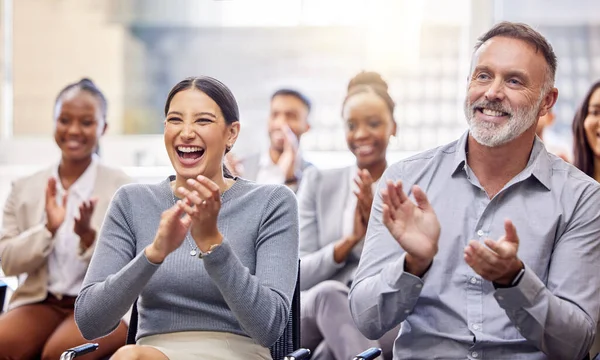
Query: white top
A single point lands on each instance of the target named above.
(65, 267)
(270, 173)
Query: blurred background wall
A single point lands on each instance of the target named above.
(135, 50)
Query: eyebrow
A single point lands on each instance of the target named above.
(202, 113)
(512, 73)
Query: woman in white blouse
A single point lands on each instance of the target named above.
(334, 208)
(49, 229)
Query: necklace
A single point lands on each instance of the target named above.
(194, 249)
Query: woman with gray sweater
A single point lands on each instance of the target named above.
(212, 258)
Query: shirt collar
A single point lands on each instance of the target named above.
(84, 185)
(460, 155)
(539, 164)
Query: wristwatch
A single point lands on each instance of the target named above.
(210, 250)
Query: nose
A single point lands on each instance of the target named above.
(495, 91)
(74, 128)
(187, 132)
(278, 121)
(361, 132)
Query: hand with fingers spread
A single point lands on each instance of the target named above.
(56, 209)
(498, 262)
(172, 229)
(414, 226)
(202, 205)
(287, 160)
(83, 226)
(364, 195)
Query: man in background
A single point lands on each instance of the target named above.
(282, 163)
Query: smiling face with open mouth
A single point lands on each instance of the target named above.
(591, 124)
(369, 125)
(78, 126)
(505, 91)
(196, 135)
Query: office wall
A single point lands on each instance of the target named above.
(57, 42)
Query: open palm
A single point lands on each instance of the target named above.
(56, 209)
(172, 230)
(414, 226)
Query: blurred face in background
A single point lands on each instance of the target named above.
(591, 124)
(288, 115)
(79, 125)
(368, 125)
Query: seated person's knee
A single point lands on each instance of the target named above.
(138, 352)
(330, 288)
(128, 352)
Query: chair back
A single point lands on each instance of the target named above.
(290, 339)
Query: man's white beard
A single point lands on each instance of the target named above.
(491, 134)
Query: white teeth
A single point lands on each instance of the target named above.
(492, 112)
(364, 149)
(188, 149)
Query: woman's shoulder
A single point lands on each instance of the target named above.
(316, 178)
(106, 172)
(143, 192)
(262, 192)
(39, 179)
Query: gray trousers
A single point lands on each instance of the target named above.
(327, 326)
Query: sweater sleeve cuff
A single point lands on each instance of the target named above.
(521, 295)
(219, 256)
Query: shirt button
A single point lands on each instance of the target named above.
(476, 327)
(500, 298)
(473, 280)
(407, 311)
(480, 232)
(418, 286)
(475, 354)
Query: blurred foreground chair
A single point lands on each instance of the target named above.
(369, 354)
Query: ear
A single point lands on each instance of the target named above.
(233, 132)
(548, 102)
(394, 127)
(104, 128)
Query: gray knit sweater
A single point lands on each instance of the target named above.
(244, 286)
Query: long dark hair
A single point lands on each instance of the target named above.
(219, 93)
(88, 86)
(583, 156)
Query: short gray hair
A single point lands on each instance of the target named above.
(525, 33)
